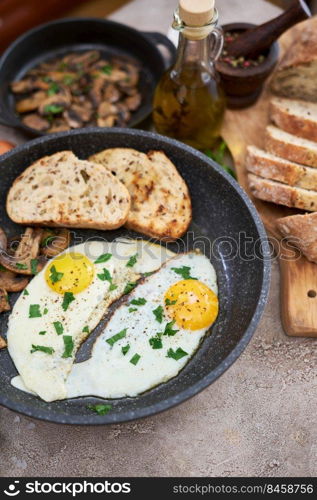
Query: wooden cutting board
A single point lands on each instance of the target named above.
(298, 275)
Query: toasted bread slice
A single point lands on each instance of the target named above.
(290, 147)
(62, 190)
(282, 194)
(303, 231)
(161, 205)
(295, 117)
(272, 167)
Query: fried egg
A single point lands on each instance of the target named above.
(151, 337)
(65, 302)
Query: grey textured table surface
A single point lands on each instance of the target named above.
(257, 419)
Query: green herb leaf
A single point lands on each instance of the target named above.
(55, 276)
(68, 79)
(129, 287)
(107, 69)
(145, 275)
(113, 287)
(34, 264)
(132, 309)
(53, 89)
(45, 311)
(184, 272)
(34, 311)
(105, 276)
(2, 268)
(125, 349)
(26, 292)
(218, 155)
(58, 327)
(42, 348)
(42, 333)
(53, 109)
(178, 354)
(138, 302)
(23, 267)
(112, 340)
(86, 329)
(100, 409)
(156, 342)
(135, 359)
(103, 258)
(68, 298)
(169, 329)
(158, 313)
(169, 302)
(132, 261)
(69, 346)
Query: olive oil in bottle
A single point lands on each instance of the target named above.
(189, 102)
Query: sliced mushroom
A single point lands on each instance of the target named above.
(72, 118)
(31, 103)
(28, 85)
(124, 114)
(96, 91)
(133, 102)
(59, 125)
(111, 94)
(12, 282)
(54, 241)
(3, 343)
(109, 121)
(36, 122)
(4, 301)
(56, 103)
(3, 240)
(105, 109)
(83, 60)
(25, 259)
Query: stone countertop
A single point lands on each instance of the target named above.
(258, 419)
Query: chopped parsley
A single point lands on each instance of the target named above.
(125, 349)
(107, 69)
(156, 342)
(42, 348)
(26, 292)
(34, 264)
(105, 276)
(135, 359)
(23, 267)
(69, 346)
(103, 258)
(158, 313)
(45, 311)
(58, 327)
(53, 89)
(138, 302)
(178, 354)
(129, 287)
(184, 272)
(112, 340)
(53, 109)
(68, 298)
(148, 274)
(169, 329)
(86, 329)
(34, 311)
(132, 261)
(113, 287)
(100, 409)
(132, 309)
(2, 268)
(55, 276)
(169, 302)
(42, 333)
(68, 80)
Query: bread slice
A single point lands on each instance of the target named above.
(276, 192)
(161, 205)
(302, 229)
(62, 190)
(290, 147)
(295, 117)
(272, 167)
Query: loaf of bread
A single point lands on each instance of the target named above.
(272, 167)
(302, 229)
(295, 117)
(290, 147)
(296, 76)
(160, 201)
(62, 190)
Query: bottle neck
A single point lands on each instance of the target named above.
(194, 53)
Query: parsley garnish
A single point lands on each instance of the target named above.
(53, 89)
(103, 258)
(2, 268)
(132, 261)
(129, 287)
(145, 275)
(100, 409)
(156, 342)
(34, 311)
(42, 333)
(169, 329)
(69, 346)
(135, 359)
(68, 80)
(132, 309)
(138, 302)
(23, 267)
(58, 327)
(53, 109)
(178, 354)
(55, 276)
(86, 329)
(26, 292)
(112, 340)
(184, 272)
(158, 313)
(45, 311)
(42, 348)
(107, 69)
(68, 298)
(169, 302)
(34, 263)
(105, 276)
(125, 349)
(113, 287)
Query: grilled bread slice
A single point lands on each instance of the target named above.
(295, 117)
(282, 194)
(160, 201)
(62, 190)
(272, 167)
(290, 147)
(303, 231)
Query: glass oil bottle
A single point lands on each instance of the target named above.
(189, 102)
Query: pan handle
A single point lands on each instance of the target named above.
(160, 39)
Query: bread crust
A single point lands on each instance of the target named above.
(289, 150)
(288, 121)
(303, 230)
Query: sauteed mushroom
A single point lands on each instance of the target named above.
(54, 241)
(4, 301)
(3, 343)
(35, 121)
(25, 259)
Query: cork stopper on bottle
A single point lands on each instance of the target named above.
(196, 12)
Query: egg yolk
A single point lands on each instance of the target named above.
(191, 304)
(70, 272)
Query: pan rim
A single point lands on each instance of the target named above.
(163, 405)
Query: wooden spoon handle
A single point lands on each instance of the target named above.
(298, 296)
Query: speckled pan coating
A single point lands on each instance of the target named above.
(221, 209)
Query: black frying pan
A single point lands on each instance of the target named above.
(226, 227)
(57, 38)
